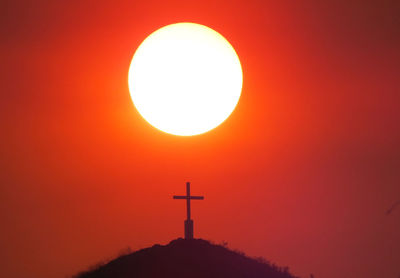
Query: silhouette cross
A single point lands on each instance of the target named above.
(188, 221)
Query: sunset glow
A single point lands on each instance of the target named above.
(283, 115)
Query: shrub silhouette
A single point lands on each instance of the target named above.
(181, 258)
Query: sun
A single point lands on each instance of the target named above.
(185, 79)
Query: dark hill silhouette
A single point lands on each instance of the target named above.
(195, 258)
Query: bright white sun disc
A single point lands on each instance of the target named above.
(185, 79)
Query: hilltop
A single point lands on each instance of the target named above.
(181, 258)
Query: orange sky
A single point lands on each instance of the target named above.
(301, 173)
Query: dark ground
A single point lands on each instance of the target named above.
(187, 258)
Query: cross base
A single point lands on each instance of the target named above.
(188, 229)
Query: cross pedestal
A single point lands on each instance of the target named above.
(188, 229)
(188, 221)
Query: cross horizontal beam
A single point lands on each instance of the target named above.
(189, 197)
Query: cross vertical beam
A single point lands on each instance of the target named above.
(188, 201)
(188, 221)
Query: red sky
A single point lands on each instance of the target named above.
(302, 172)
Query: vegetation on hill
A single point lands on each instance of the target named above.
(181, 258)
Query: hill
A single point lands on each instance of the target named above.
(181, 258)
